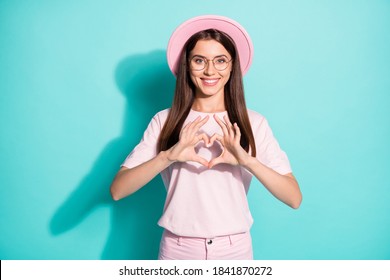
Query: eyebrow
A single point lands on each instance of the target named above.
(212, 58)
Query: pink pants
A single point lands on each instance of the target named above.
(229, 247)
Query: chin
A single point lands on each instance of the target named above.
(209, 92)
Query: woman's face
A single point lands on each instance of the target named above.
(210, 80)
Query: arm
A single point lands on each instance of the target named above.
(129, 180)
(283, 187)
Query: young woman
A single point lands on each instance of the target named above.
(207, 147)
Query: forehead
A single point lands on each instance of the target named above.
(209, 48)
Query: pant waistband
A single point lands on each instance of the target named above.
(231, 237)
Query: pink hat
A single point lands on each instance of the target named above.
(190, 27)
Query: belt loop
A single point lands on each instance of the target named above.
(179, 240)
(230, 239)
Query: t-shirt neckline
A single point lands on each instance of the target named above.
(206, 113)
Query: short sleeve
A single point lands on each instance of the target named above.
(268, 151)
(147, 147)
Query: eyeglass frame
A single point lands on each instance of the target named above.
(207, 62)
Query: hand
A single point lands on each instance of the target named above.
(232, 152)
(184, 150)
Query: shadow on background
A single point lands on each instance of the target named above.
(148, 85)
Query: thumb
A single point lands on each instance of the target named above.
(201, 160)
(203, 137)
(217, 137)
(215, 161)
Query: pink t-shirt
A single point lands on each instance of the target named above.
(204, 202)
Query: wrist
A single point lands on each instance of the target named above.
(169, 155)
(166, 157)
(247, 161)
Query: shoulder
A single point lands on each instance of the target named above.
(162, 114)
(259, 123)
(157, 122)
(256, 118)
(161, 117)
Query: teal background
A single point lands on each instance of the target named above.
(80, 80)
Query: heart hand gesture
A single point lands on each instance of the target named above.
(232, 152)
(184, 150)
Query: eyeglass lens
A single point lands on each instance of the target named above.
(199, 63)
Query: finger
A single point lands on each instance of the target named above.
(237, 137)
(196, 124)
(215, 162)
(186, 127)
(201, 160)
(229, 125)
(183, 130)
(203, 137)
(227, 121)
(201, 122)
(216, 136)
(221, 124)
(204, 120)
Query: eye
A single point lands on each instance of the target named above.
(220, 60)
(198, 60)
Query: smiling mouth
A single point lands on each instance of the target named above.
(210, 82)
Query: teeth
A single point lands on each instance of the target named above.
(210, 81)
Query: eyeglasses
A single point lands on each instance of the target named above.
(199, 63)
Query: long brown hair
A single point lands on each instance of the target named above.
(185, 94)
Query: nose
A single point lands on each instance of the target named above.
(209, 69)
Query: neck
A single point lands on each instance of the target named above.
(209, 104)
